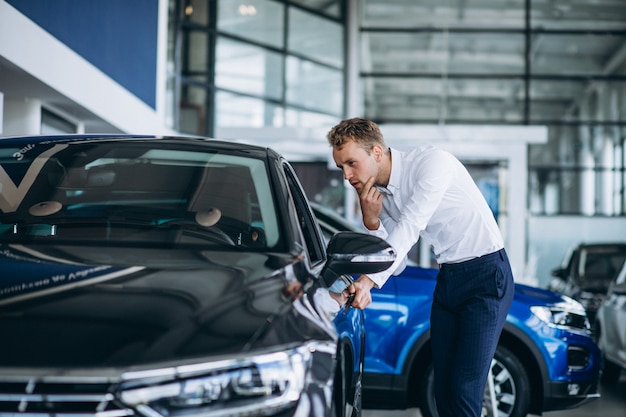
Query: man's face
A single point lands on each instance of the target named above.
(357, 165)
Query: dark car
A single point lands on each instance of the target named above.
(546, 359)
(611, 329)
(156, 276)
(586, 272)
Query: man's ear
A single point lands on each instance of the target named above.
(378, 152)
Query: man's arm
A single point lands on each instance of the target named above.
(371, 201)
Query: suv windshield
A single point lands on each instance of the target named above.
(135, 193)
(600, 265)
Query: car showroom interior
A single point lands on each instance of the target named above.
(113, 109)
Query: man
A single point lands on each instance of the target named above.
(427, 193)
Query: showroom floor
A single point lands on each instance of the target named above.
(612, 403)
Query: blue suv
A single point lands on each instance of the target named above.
(546, 359)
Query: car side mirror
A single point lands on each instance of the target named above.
(356, 253)
(560, 273)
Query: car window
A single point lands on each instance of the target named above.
(601, 263)
(621, 278)
(308, 224)
(137, 193)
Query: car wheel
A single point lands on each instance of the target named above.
(358, 395)
(341, 407)
(610, 372)
(511, 388)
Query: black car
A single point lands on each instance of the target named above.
(587, 271)
(158, 276)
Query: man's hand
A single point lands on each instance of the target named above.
(371, 204)
(361, 289)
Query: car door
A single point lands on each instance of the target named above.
(614, 318)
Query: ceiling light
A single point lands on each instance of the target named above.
(247, 10)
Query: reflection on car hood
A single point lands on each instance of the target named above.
(536, 296)
(523, 293)
(166, 305)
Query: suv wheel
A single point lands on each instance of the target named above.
(610, 372)
(511, 388)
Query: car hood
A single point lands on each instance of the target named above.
(91, 307)
(523, 293)
(536, 296)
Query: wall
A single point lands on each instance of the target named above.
(119, 37)
(34, 64)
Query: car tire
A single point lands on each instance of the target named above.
(610, 372)
(341, 407)
(511, 385)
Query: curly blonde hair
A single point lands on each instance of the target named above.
(362, 131)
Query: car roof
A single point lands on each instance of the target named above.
(232, 145)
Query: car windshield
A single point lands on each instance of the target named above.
(601, 265)
(135, 192)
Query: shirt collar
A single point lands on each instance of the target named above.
(395, 176)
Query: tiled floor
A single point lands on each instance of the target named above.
(612, 403)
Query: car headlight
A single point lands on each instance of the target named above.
(259, 385)
(569, 314)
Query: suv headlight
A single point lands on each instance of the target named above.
(258, 385)
(568, 314)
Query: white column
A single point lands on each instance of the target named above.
(587, 178)
(353, 94)
(22, 116)
(605, 194)
(618, 174)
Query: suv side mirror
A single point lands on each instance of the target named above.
(560, 273)
(356, 253)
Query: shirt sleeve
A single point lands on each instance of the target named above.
(423, 187)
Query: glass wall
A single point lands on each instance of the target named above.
(529, 62)
(262, 63)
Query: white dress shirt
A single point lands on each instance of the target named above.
(431, 196)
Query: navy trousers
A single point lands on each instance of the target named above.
(470, 305)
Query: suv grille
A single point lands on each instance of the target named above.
(59, 398)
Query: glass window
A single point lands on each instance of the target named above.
(439, 52)
(315, 37)
(314, 87)
(576, 54)
(300, 118)
(192, 110)
(444, 13)
(232, 110)
(329, 7)
(257, 20)
(576, 100)
(198, 50)
(580, 170)
(196, 11)
(248, 69)
(53, 124)
(578, 15)
(306, 220)
(433, 99)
